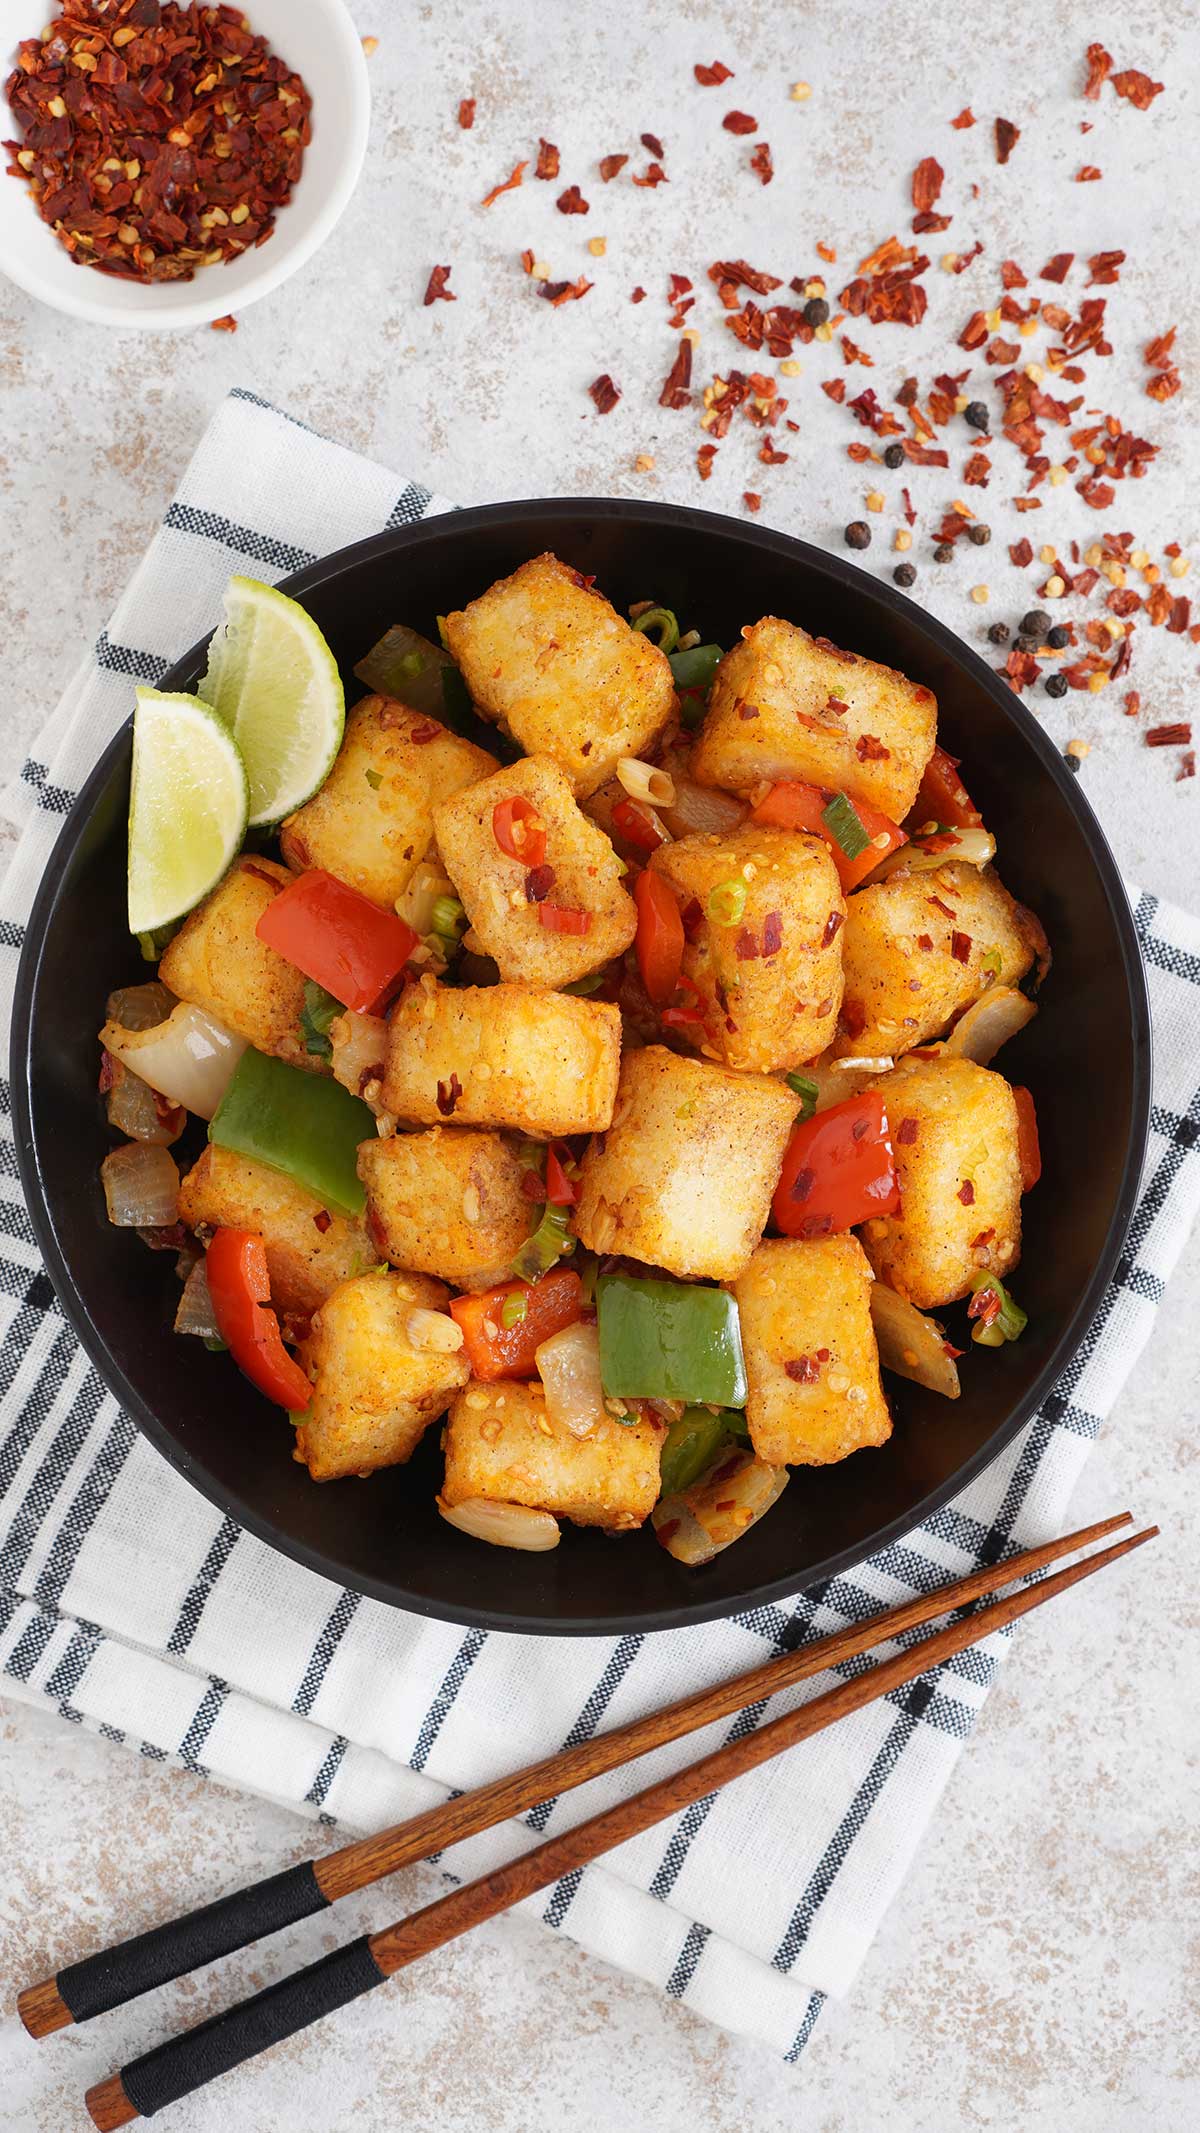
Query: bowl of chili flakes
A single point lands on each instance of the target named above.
(163, 212)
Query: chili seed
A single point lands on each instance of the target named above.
(894, 456)
(816, 311)
(979, 535)
(1036, 622)
(1056, 685)
(977, 415)
(999, 633)
(944, 552)
(1058, 637)
(904, 574)
(857, 534)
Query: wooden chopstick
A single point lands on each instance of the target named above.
(188, 2061)
(121, 1973)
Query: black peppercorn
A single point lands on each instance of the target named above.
(1073, 763)
(1056, 685)
(1058, 637)
(999, 633)
(1026, 643)
(857, 534)
(1036, 622)
(816, 311)
(977, 415)
(979, 535)
(944, 552)
(904, 574)
(894, 456)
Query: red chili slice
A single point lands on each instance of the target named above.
(519, 830)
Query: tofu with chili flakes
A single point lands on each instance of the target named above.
(955, 1139)
(371, 823)
(550, 660)
(919, 947)
(513, 906)
(684, 1175)
(377, 1386)
(541, 1063)
(787, 705)
(771, 976)
(812, 1366)
(448, 1201)
(503, 1446)
(310, 1247)
(217, 961)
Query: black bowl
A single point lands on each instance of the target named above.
(1086, 1057)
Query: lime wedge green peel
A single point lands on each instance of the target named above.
(274, 682)
(187, 807)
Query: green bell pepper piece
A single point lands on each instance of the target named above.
(299, 1123)
(668, 1340)
(694, 669)
(690, 1446)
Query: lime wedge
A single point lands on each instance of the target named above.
(273, 679)
(187, 807)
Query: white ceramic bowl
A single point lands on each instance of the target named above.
(319, 41)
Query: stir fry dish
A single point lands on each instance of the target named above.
(584, 1043)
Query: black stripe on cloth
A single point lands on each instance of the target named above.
(15, 1223)
(1177, 962)
(411, 505)
(620, 1660)
(796, 2048)
(243, 392)
(112, 1733)
(326, 1645)
(260, 547)
(695, 1941)
(18, 1281)
(11, 934)
(56, 799)
(221, 1547)
(90, 1498)
(80, 1652)
(29, 1647)
(563, 1896)
(435, 1717)
(825, 1873)
(208, 1710)
(331, 1763)
(1158, 1186)
(60, 1454)
(124, 659)
(693, 1818)
(152, 1752)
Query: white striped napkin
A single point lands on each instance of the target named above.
(134, 1608)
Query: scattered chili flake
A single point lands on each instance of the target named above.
(739, 122)
(1187, 766)
(704, 460)
(966, 117)
(652, 145)
(761, 164)
(1133, 703)
(547, 160)
(712, 77)
(960, 947)
(1169, 736)
(323, 1220)
(906, 1132)
(804, 1369)
(448, 1093)
(436, 289)
(1057, 268)
(966, 1193)
(515, 177)
(1099, 65)
(604, 393)
(638, 296)
(1105, 267)
(870, 750)
(675, 391)
(229, 324)
(654, 174)
(833, 925)
(927, 181)
(1087, 174)
(1007, 136)
(466, 113)
(563, 292)
(827, 252)
(1136, 88)
(753, 502)
(611, 166)
(572, 202)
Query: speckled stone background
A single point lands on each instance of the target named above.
(1041, 1969)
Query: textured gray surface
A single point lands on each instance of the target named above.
(1041, 1968)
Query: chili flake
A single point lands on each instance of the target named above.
(1007, 136)
(547, 160)
(604, 393)
(466, 113)
(712, 77)
(927, 181)
(572, 202)
(1169, 736)
(761, 164)
(610, 166)
(739, 122)
(1137, 88)
(229, 324)
(436, 287)
(966, 117)
(515, 177)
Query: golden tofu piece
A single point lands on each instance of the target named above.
(954, 1134)
(448, 1201)
(502, 1445)
(684, 1175)
(787, 705)
(217, 961)
(550, 660)
(310, 1247)
(509, 903)
(371, 823)
(377, 1383)
(766, 951)
(541, 1063)
(812, 1366)
(918, 948)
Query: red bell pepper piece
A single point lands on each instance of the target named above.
(236, 1266)
(339, 939)
(659, 940)
(943, 797)
(1028, 1145)
(838, 1170)
(561, 1190)
(519, 830)
(800, 807)
(495, 1350)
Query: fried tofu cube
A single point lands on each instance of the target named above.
(919, 947)
(378, 1379)
(683, 1177)
(217, 961)
(787, 705)
(371, 823)
(550, 660)
(448, 1201)
(503, 1446)
(540, 1063)
(812, 1366)
(955, 1139)
(511, 905)
(766, 949)
(310, 1247)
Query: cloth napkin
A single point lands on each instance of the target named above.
(133, 1607)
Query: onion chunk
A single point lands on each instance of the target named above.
(716, 1510)
(989, 1023)
(141, 1186)
(568, 1365)
(189, 1058)
(910, 1344)
(504, 1525)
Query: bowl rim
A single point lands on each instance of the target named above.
(282, 258)
(530, 513)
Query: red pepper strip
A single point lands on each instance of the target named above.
(838, 1170)
(559, 918)
(659, 940)
(943, 797)
(339, 939)
(236, 1266)
(495, 1350)
(794, 806)
(519, 830)
(1028, 1145)
(636, 828)
(985, 1306)
(561, 1190)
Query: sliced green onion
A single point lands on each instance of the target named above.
(726, 903)
(412, 664)
(659, 619)
(374, 779)
(320, 1009)
(845, 826)
(448, 917)
(514, 1310)
(1009, 1323)
(587, 1278)
(441, 630)
(152, 944)
(991, 964)
(547, 1244)
(216, 1346)
(808, 1092)
(694, 669)
(583, 986)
